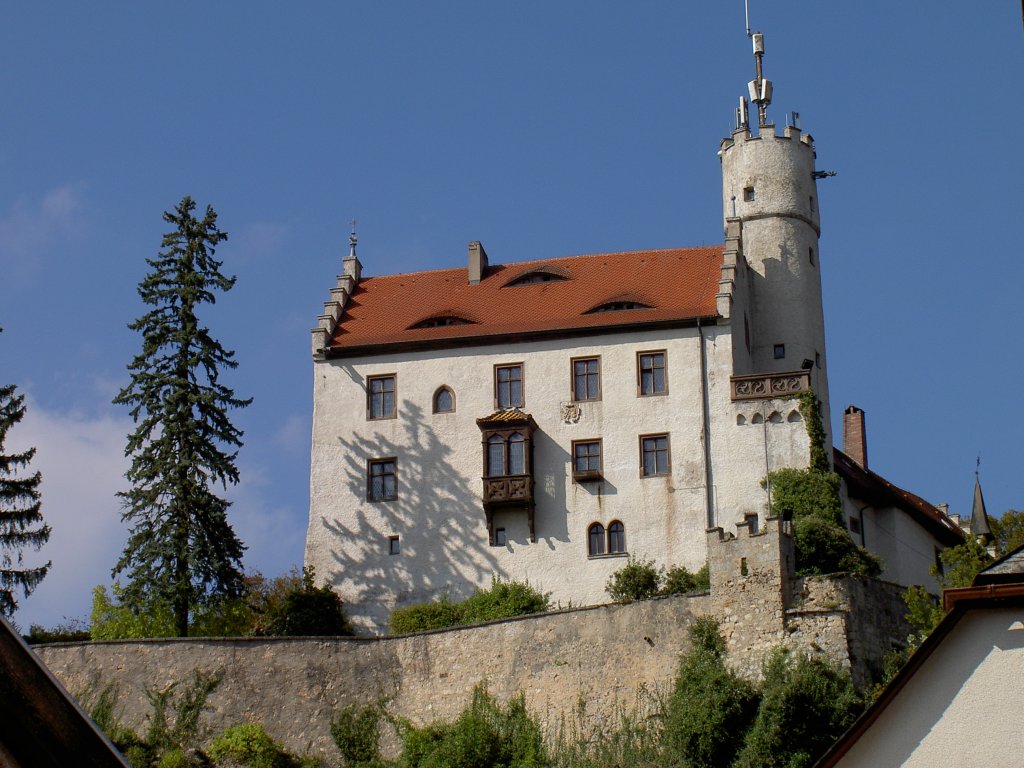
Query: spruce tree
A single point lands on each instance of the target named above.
(21, 521)
(181, 550)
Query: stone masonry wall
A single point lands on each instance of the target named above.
(598, 656)
(854, 620)
(583, 667)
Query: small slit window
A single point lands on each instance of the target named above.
(779, 351)
(500, 538)
(394, 545)
(748, 194)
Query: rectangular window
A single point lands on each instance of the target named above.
(654, 457)
(394, 547)
(508, 386)
(381, 392)
(381, 481)
(586, 379)
(499, 537)
(651, 369)
(748, 194)
(779, 351)
(586, 459)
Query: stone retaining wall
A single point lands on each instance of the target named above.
(595, 656)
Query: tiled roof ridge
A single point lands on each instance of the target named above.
(551, 261)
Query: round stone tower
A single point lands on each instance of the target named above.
(769, 195)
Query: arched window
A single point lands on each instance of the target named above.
(596, 544)
(495, 456)
(444, 400)
(517, 454)
(616, 538)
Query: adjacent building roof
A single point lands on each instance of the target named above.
(40, 724)
(865, 484)
(1007, 569)
(580, 294)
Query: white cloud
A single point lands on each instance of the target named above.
(30, 228)
(82, 461)
(83, 464)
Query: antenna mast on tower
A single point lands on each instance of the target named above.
(760, 88)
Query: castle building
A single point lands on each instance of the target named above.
(543, 420)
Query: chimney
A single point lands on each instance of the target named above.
(855, 438)
(477, 262)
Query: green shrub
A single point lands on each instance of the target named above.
(69, 631)
(307, 610)
(175, 758)
(810, 498)
(806, 705)
(485, 735)
(249, 745)
(636, 580)
(503, 600)
(423, 616)
(710, 707)
(356, 732)
(679, 581)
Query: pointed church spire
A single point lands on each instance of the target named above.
(979, 518)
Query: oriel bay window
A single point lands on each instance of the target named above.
(507, 441)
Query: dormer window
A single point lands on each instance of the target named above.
(441, 321)
(620, 304)
(539, 275)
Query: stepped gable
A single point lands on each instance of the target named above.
(395, 311)
(865, 484)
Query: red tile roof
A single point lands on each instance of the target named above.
(677, 284)
(873, 488)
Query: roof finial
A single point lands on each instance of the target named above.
(352, 240)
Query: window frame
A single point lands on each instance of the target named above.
(600, 537)
(370, 464)
(437, 393)
(497, 386)
(370, 394)
(500, 537)
(668, 455)
(583, 475)
(574, 395)
(640, 373)
(621, 535)
(394, 546)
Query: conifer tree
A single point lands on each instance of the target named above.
(21, 521)
(181, 550)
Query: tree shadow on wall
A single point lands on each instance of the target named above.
(437, 515)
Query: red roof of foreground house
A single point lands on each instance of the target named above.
(872, 487)
(439, 308)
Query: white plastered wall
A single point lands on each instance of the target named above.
(961, 707)
(438, 514)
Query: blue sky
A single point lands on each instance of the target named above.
(541, 129)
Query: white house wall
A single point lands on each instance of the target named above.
(958, 708)
(906, 549)
(439, 515)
